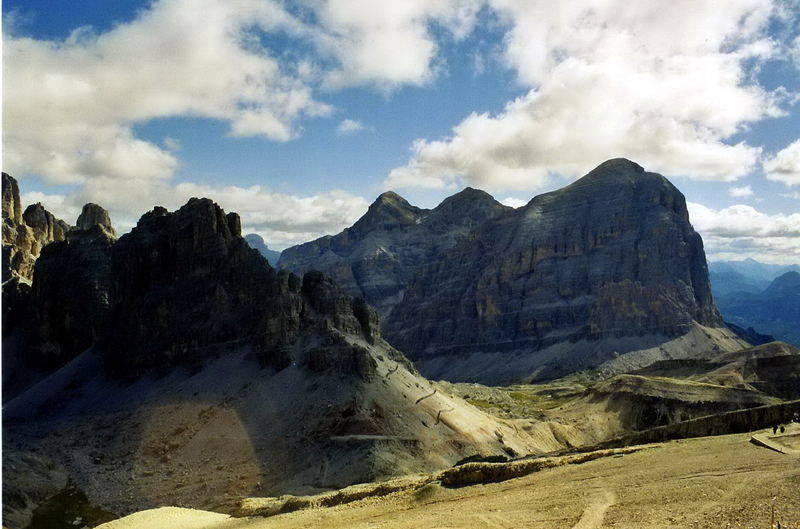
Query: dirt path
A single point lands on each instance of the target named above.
(593, 515)
(700, 483)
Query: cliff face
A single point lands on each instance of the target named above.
(209, 338)
(25, 233)
(610, 256)
(184, 282)
(69, 300)
(378, 256)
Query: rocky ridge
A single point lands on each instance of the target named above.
(378, 256)
(163, 342)
(606, 266)
(25, 233)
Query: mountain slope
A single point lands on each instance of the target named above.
(378, 256)
(257, 242)
(605, 266)
(201, 355)
(775, 310)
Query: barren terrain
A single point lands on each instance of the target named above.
(707, 482)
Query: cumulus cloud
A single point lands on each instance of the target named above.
(388, 43)
(281, 219)
(348, 126)
(513, 202)
(784, 166)
(69, 112)
(742, 231)
(661, 83)
(739, 192)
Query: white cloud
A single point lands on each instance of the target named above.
(388, 43)
(741, 231)
(348, 126)
(794, 52)
(281, 219)
(739, 192)
(661, 83)
(69, 112)
(784, 166)
(794, 195)
(513, 202)
(172, 144)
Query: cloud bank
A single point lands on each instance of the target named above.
(666, 84)
(661, 83)
(741, 231)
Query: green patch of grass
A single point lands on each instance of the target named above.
(480, 403)
(532, 400)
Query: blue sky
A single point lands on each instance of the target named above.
(298, 114)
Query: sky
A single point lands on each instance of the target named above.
(297, 114)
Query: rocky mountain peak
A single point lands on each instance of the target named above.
(470, 206)
(12, 208)
(94, 215)
(388, 211)
(784, 284)
(45, 225)
(257, 242)
(25, 233)
(377, 257)
(611, 256)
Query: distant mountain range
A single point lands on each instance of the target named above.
(763, 296)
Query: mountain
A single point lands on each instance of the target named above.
(25, 233)
(731, 279)
(752, 270)
(606, 271)
(775, 310)
(257, 242)
(177, 347)
(379, 255)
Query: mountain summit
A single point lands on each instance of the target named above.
(604, 266)
(377, 257)
(473, 290)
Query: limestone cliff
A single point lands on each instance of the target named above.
(201, 355)
(25, 233)
(604, 266)
(378, 256)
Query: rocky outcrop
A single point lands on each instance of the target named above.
(25, 233)
(583, 273)
(257, 242)
(186, 282)
(378, 256)
(69, 300)
(93, 215)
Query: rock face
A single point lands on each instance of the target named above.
(257, 242)
(186, 281)
(69, 299)
(93, 215)
(378, 256)
(563, 283)
(193, 333)
(25, 233)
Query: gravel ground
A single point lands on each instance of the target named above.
(712, 482)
